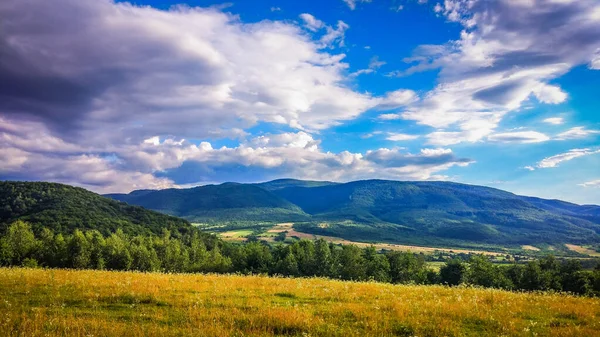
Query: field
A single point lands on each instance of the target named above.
(290, 232)
(583, 250)
(37, 302)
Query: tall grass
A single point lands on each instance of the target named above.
(36, 302)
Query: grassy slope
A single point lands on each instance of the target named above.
(64, 208)
(217, 203)
(98, 303)
(437, 212)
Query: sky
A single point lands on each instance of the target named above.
(115, 96)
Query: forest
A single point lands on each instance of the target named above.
(197, 252)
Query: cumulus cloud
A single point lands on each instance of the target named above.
(508, 54)
(519, 137)
(161, 162)
(96, 69)
(555, 160)
(113, 97)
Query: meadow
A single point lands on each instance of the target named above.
(58, 302)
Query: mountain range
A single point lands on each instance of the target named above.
(380, 210)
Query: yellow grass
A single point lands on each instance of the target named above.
(583, 250)
(35, 302)
(529, 247)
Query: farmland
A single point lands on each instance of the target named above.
(37, 302)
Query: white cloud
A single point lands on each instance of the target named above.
(555, 160)
(502, 61)
(311, 22)
(595, 61)
(519, 137)
(578, 132)
(374, 64)
(352, 3)
(181, 72)
(593, 183)
(396, 137)
(554, 120)
(28, 150)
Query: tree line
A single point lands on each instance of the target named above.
(197, 252)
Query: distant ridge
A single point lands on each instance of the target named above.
(383, 210)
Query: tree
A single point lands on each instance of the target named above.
(19, 243)
(97, 249)
(453, 272)
(482, 272)
(407, 268)
(117, 253)
(377, 265)
(257, 258)
(323, 259)
(197, 252)
(288, 266)
(144, 257)
(352, 263)
(79, 251)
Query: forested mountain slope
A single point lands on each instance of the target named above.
(225, 202)
(381, 210)
(64, 208)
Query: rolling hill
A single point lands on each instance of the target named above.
(225, 202)
(64, 208)
(379, 210)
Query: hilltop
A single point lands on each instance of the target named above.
(434, 213)
(64, 208)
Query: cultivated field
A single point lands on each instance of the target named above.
(291, 232)
(36, 302)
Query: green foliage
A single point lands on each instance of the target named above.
(407, 268)
(453, 273)
(432, 213)
(195, 252)
(64, 208)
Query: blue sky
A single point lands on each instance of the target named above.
(116, 96)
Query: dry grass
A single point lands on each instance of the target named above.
(583, 250)
(35, 302)
(529, 247)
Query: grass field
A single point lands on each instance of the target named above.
(291, 232)
(583, 250)
(36, 302)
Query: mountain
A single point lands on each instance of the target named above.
(225, 202)
(64, 208)
(279, 184)
(381, 210)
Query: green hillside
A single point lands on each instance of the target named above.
(279, 184)
(440, 210)
(435, 213)
(64, 208)
(217, 203)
